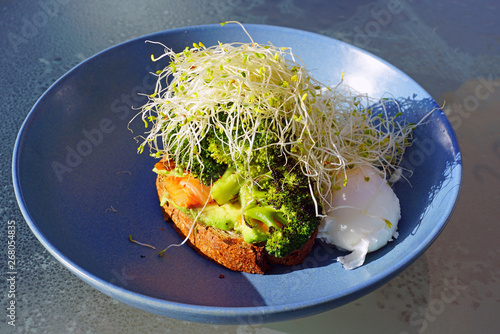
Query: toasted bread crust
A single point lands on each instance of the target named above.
(227, 248)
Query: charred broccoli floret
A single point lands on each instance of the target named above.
(202, 164)
(212, 157)
(272, 190)
(255, 156)
(280, 199)
(288, 192)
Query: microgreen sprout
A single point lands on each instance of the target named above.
(326, 129)
(139, 243)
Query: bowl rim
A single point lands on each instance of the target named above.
(221, 314)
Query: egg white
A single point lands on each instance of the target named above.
(364, 216)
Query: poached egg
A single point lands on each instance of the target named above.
(363, 215)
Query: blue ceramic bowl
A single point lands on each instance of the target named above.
(83, 189)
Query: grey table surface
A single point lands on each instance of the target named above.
(451, 48)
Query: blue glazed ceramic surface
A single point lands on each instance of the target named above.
(83, 189)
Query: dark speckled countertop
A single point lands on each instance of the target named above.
(451, 48)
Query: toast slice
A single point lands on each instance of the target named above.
(227, 248)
